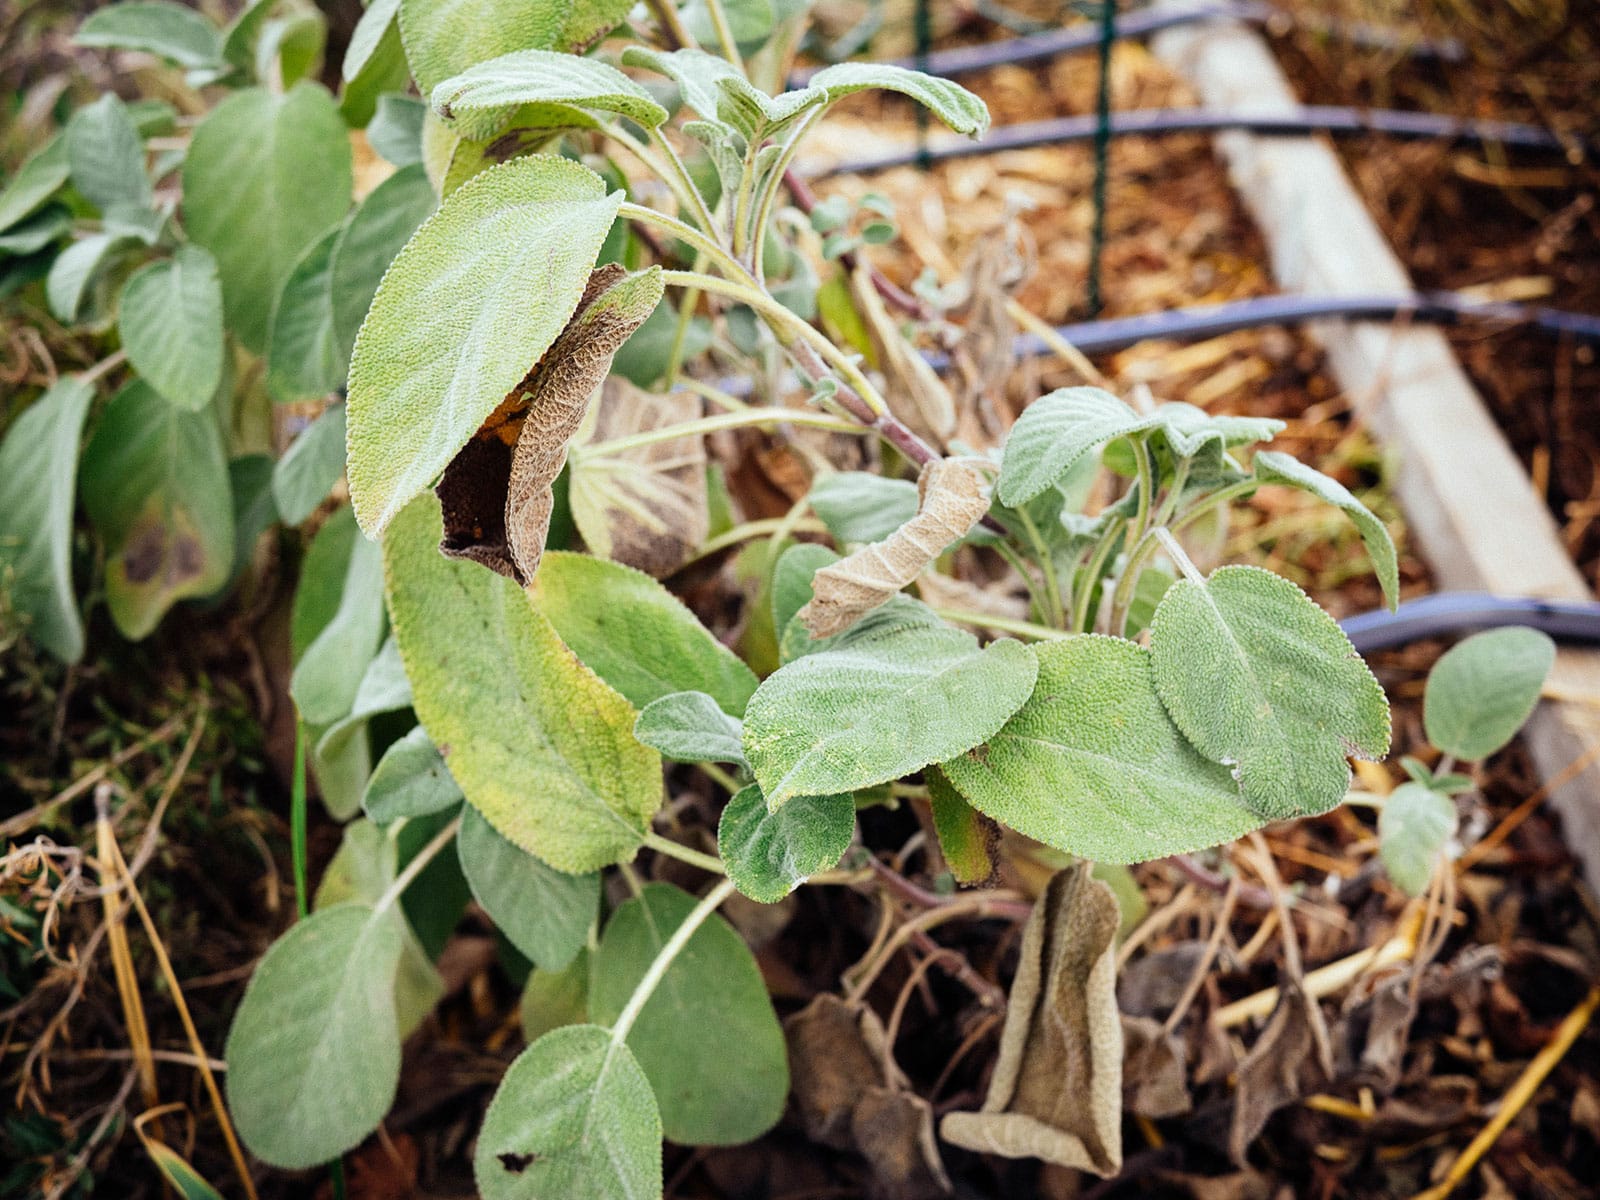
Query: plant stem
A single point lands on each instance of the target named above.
(104, 367)
(1218, 498)
(799, 337)
(774, 183)
(1146, 485)
(658, 968)
(1027, 629)
(1091, 576)
(1122, 598)
(682, 230)
(725, 38)
(757, 529)
(675, 163)
(733, 420)
(672, 26)
(664, 845)
(1183, 561)
(297, 821)
(416, 866)
(1046, 561)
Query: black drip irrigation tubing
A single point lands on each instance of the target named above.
(1448, 613)
(1213, 320)
(1308, 119)
(964, 60)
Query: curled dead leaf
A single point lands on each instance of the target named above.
(950, 501)
(893, 1129)
(1279, 1069)
(837, 1052)
(644, 506)
(496, 493)
(1154, 1072)
(1056, 1093)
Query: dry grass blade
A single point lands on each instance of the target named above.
(951, 501)
(111, 885)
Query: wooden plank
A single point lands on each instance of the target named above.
(1469, 504)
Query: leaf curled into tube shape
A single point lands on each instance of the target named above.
(1056, 1093)
(496, 493)
(950, 501)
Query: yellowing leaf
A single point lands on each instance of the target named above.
(950, 502)
(538, 743)
(496, 492)
(1056, 1092)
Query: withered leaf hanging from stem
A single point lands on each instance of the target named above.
(1056, 1093)
(496, 493)
(950, 501)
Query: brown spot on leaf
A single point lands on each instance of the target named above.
(144, 553)
(517, 1163)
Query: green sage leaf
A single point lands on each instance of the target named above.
(885, 698)
(38, 470)
(1414, 826)
(1262, 680)
(1053, 433)
(375, 233)
(170, 31)
(38, 179)
(690, 727)
(410, 780)
(314, 1052)
(643, 640)
(277, 166)
(330, 670)
(545, 913)
(950, 102)
(715, 1099)
(171, 326)
(858, 506)
(480, 101)
(1273, 467)
(1482, 691)
(313, 463)
(1093, 765)
(573, 1119)
(769, 854)
(107, 155)
(539, 744)
(155, 484)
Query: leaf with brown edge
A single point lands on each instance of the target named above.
(950, 501)
(496, 493)
(1056, 1093)
(646, 506)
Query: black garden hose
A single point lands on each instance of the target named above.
(963, 60)
(1447, 613)
(1307, 119)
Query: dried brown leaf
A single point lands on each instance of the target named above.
(646, 506)
(893, 1130)
(1274, 1074)
(1154, 1080)
(496, 494)
(837, 1052)
(1056, 1093)
(950, 502)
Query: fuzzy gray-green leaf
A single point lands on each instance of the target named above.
(719, 1098)
(1053, 433)
(38, 467)
(314, 1052)
(573, 1119)
(1274, 467)
(690, 727)
(1482, 690)
(478, 102)
(171, 326)
(313, 463)
(545, 913)
(950, 102)
(1262, 680)
(768, 854)
(884, 699)
(410, 780)
(1093, 765)
(1414, 826)
(172, 31)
